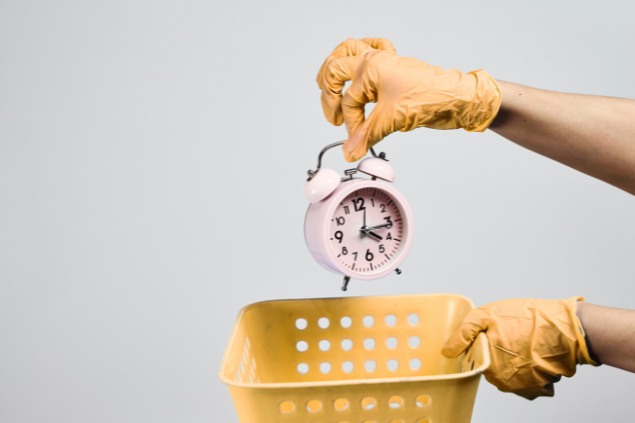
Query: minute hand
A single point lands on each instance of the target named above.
(385, 225)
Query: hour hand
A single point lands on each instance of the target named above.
(374, 235)
(367, 231)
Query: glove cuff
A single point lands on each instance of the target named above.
(582, 355)
(486, 103)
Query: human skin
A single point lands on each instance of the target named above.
(592, 134)
(610, 334)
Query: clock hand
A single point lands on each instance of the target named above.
(367, 231)
(385, 225)
(374, 235)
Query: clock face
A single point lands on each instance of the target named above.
(367, 230)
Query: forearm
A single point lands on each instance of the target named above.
(610, 334)
(592, 134)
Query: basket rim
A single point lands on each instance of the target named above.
(375, 381)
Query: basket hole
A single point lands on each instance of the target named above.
(369, 403)
(347, 366)
(423, 420)
(346, 322)
(392, 343)
(413, 319)
(422, 400)
(238, 376)
(286, 407)
(395, 402)
(247, 341)
(415, 364)
(341, 404)
(325, 367)
(251, 380)
(302, 346)
(323, 322)
(301, 324)
(369, 321)
(393, 365)
(370, 366)
(244, 359)
(391, 320)
(313, 406)
(303, 368)
(324, 345)
(369, 343)
(242, 368)
(347, 344)
(414, 341)
(246, 351)
(253, 361)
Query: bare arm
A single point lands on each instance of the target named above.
(610, 334)
(592, 134)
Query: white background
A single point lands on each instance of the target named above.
(152, 164)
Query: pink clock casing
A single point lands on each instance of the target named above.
(317, 228)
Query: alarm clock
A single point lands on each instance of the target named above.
(361, 228)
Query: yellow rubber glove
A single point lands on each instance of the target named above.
(409, 94)
(533, 343)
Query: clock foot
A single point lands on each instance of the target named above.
(347, 279)
(398, 271)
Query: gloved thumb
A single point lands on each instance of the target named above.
(366, 135)
(462, 338)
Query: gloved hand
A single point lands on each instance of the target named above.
(533, 343)
(409, 94)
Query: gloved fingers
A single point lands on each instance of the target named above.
(369, 133)
(353, 107)
(350, 47)
(380, 44)
(463, 336)
(337, 72)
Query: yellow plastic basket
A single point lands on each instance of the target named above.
(353, 360)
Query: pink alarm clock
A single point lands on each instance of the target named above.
(357, 227)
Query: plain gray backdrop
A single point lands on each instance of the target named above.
(153, 156)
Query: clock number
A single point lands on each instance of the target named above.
(360, 202)
(388, 236)
(381, 248)
(387, 219)
(344, 251)
(340, 221)
(355, 254)
(339, 236)
(346, 210)
(372, 202)
(369, 256)
(383, 208)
